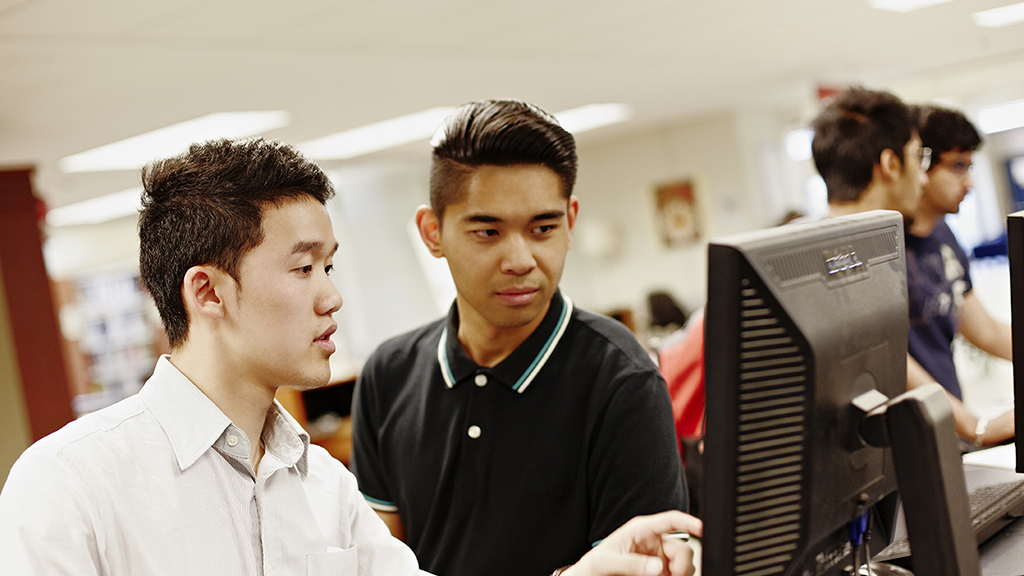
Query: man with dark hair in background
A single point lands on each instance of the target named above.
(942, 302)
(867, 150)
(202, 471)
(513, 435)
(868, 147)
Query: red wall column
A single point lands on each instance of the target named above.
(30, 306)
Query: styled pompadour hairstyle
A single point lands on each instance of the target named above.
(497, 133)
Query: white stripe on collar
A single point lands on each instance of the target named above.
(549, 347)
(534, 368)
(442, 359)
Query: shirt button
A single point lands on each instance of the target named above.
(232, 440)
(474, 431)
(480, 380)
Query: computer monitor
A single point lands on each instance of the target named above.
(1015, 252)
(805, 367)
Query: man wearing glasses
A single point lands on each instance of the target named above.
(938, 277)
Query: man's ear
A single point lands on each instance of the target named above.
(570, 215)
(201, 291)
(429, 226)
(890, 164)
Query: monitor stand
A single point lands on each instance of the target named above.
(918, 426)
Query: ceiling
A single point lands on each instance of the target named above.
(76, 74)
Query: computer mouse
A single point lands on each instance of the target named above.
(884, 569)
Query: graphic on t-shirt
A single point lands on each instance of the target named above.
(954, 275)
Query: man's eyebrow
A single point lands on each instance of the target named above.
(482, 218)
(304, 246)
(488, 219)
(553, 215)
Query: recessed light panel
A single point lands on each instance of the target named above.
(97, 210)
(135, 152)
(1001, 117)
(592, 116)
(999, 17)
(377, 136)
(904, 5)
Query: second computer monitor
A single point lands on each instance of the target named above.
(800, 321)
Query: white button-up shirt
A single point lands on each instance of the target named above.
(161, 484)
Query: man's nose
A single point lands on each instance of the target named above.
(518, 257)
(331, 300)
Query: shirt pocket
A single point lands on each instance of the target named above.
(336, 561)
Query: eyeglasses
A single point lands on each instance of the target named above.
(959, 168)
(925, 157)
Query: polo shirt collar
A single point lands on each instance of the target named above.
(522, 366)
(194, 424)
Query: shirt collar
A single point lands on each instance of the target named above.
(522, 365)
(194, 424)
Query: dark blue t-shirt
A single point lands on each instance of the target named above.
(938, 278)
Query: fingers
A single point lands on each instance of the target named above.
(627, 565)
(666, 522)
(680, 557)
(639, 548)
(677, 561)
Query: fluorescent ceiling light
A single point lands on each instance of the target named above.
(999, 17)
(422, 125)
(592, 116)
(97, 210)
(133, 153)
(904, 5)
(1001, 117)
(377, 136)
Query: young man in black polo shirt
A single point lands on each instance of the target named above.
(511, 436)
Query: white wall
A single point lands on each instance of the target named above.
(376, 269)
(733, 160)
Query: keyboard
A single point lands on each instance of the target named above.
(992, 508)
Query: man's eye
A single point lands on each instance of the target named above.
(329, 268)
(545, 228)
(306, 269)
(489, 233)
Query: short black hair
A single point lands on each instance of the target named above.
(497, 133)
(206, 205)
(945, 130)
(850, 135)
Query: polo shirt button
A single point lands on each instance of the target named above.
(232, 440)
(474, 431)
(480, 380)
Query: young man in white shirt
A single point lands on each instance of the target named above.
(202, 472)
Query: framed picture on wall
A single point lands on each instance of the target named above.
(677, 213)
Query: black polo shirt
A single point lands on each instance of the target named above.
(520, 468)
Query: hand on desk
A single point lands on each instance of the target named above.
(999, 429)
(640, 548)
(995, 431)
